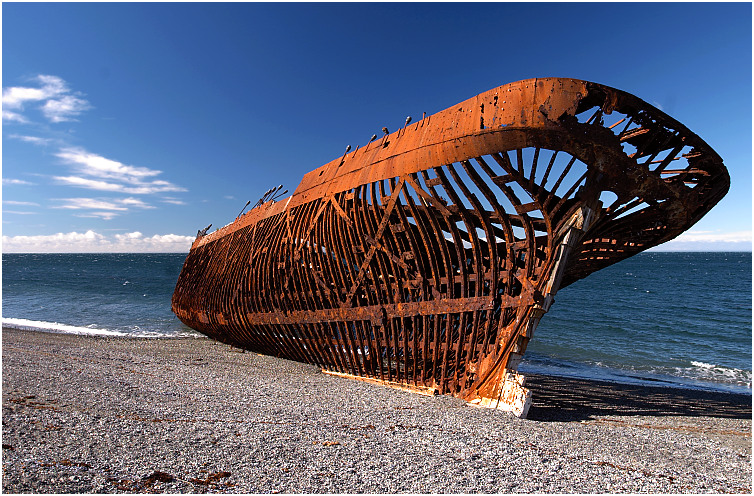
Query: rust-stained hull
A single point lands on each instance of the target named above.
(380, 266)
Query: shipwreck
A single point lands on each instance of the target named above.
(425, 258)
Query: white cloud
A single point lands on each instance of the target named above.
(714, 236)
(174, 201)
(90, 203)
(62, 109)
(15, 97)
(709, 241)
(53, 83)
(105, 174)
(19, 204)
(90, 183)
(59, 102)
(135, 202)
(98, 166)
(147, 189)
(99, 208)
(13, 117)
(97, 215)
(93, 242)
(35, 140)
(15, 182)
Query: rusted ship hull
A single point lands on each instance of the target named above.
(425, 258)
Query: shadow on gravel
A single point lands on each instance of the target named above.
(564, 399)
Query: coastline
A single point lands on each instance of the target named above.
(99, 414)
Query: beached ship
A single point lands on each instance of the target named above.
(425, 258)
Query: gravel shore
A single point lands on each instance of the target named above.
(89, 414)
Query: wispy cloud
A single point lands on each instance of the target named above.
(145, 189)
(35, 140)
(96, 165)
(104, 174)
(174, 201)
(58, 102)
(19, 204)
(134, 202)
(16, 182)
(100, 208)
(90, 203)
(97, 215)
(93, 242)
(14, 117)
(62, 109)
(90, 183)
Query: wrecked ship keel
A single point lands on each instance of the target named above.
(426, 258)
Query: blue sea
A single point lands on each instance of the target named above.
(674, 319)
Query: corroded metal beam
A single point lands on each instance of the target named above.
(425, 259)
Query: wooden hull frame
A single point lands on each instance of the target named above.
(426, 258)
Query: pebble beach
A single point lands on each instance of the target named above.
(119, 415)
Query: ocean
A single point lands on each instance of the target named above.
(674, 319)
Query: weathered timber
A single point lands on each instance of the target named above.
(426, 258)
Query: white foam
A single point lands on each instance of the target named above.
(37, 325)
(703, 365)
(718, 373)
(93, 330)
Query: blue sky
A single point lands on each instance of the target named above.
(127, 127)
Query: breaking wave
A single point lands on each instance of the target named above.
(717, 373)
(90, 330)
